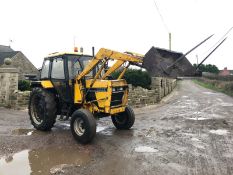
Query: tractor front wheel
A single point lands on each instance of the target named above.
(124, 120)
(83, 125)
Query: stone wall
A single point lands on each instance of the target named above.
(8, 85)
(160, 87)
(20, 99)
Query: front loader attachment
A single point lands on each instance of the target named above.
(105, 55)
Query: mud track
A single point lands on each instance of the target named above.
(190, 132)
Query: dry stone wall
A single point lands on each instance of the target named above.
(160, 87)
(21, 99)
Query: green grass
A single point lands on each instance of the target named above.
(212, 87)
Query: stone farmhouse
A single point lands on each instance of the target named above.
(19, 61)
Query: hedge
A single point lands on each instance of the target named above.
(136, 77)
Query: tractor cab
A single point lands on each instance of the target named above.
(61, 69)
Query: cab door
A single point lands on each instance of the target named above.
(74, 68)
(60, 80)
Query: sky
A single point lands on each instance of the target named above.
(40, 27)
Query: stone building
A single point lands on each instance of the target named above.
(19, 61)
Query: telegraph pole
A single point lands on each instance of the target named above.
(170, 41)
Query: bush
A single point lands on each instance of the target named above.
(229, 87)
(136, 77)
(217, 85)
(24, 85)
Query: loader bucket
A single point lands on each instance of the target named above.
(158, 62)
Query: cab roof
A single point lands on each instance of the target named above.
(55, 54)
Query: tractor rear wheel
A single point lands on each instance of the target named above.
(124, 120)
(42, 109)
(83, 125)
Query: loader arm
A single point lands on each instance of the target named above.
(104, 54)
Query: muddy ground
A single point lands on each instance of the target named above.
(190, 132)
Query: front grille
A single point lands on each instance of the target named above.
(117, 98)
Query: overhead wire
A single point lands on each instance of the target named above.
(161, 16)
(220, 40)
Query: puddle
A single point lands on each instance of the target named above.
(18, 164)
(104, 130)
(21, 131)
(219, 99)
(145, 149)
(226, 104)
(42, 161)
(209, 93)
(100, 128)
(184, 106)
(29, 133)
(107, 132)
(195, 139)
(198, 118)
(219, 132)
(197, 143)
(184, 96)
(63, 125)
(181, 106)
(197, 113)
(177, 168)
(217, 116)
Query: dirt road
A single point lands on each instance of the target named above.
(191, 132)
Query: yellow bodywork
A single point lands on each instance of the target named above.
(100, 95)
(103, 93)
(46, 84)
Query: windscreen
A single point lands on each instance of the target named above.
(77, 63)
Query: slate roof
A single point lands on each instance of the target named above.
(5, 49)
(6, 52)
(4, 55)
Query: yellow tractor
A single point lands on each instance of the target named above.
(80, 86)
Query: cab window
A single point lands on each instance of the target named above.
(45, 70)
(74, 67)
(76, 64)
(58, 69)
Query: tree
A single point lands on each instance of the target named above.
(208, 68)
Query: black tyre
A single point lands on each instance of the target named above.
(83, 126)
(42, 109)
(124, 120)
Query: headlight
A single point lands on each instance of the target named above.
(113, 89)
(121, 89)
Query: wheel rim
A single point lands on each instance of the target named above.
(79, 127)
(37, 110)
